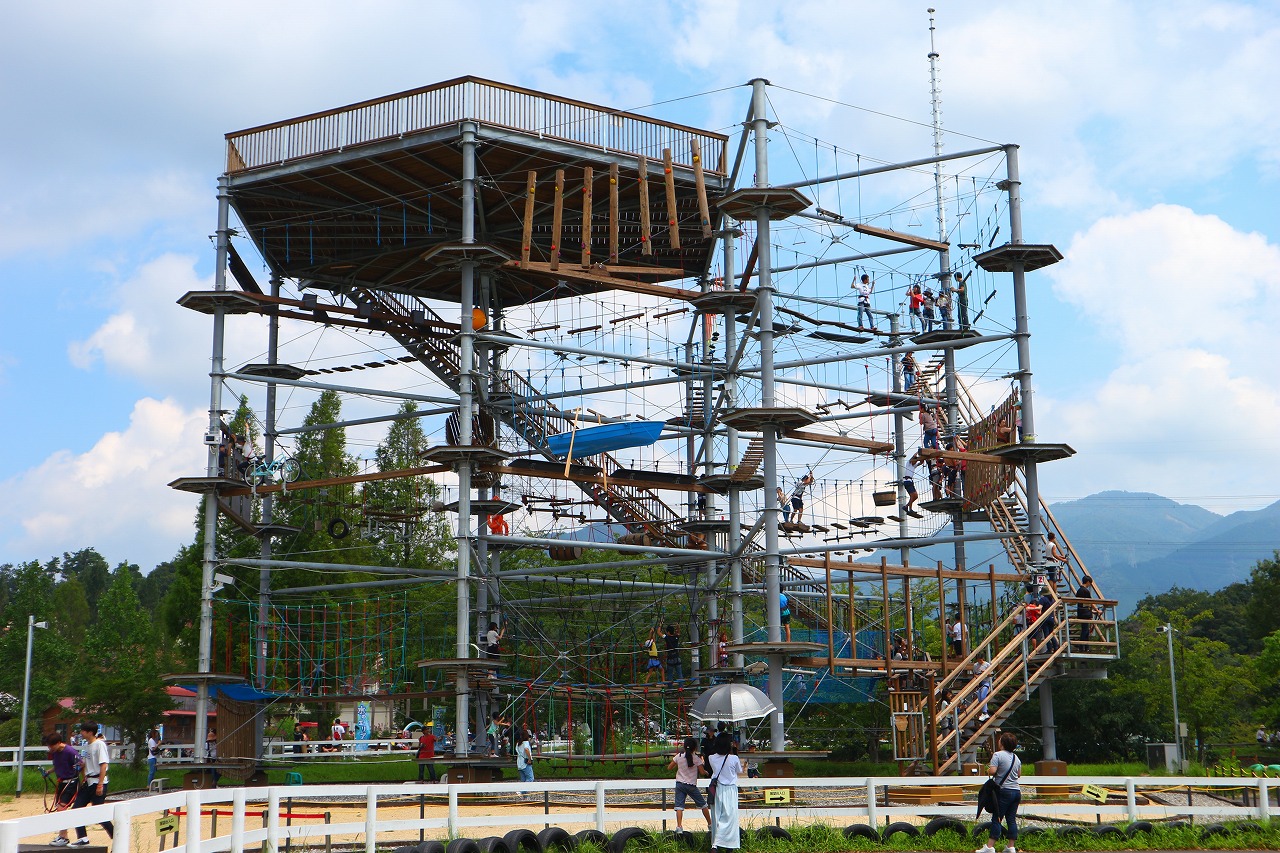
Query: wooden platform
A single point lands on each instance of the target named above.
(925, 795)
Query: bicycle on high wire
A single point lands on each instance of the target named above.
(283, 468)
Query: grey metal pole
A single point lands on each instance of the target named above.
(764, 299)
(466, 345)
(204, 660)
(1048, 730)
(268, 512)
(26, 693)
(735, 494)
(1173, 683)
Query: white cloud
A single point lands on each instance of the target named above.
(1188, 300)
(113, 496)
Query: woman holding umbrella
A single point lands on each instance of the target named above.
(725, 770)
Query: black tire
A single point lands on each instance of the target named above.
(770, 830)
(861, 830)
(1032, 832)
(1214, 829)
(982, 830)
(622, 837)
(1177, 824)
(522, 841)
(432, 846)
(409, 849)
(944, 824)
(693, 840)
(1137, 827)
(591, 836)
(555, 838)
(462, 845)
(1247, 826)
(1107, 829)
(493, 844)
(339, 529)
(906, 829)
(1071, 832)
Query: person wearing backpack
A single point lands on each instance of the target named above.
(1003, 788)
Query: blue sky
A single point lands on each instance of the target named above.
(1150, 157)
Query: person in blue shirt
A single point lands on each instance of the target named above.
(785, 606)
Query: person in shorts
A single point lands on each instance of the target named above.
(688, 765)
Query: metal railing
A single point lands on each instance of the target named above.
(484, 101)
(587, 804)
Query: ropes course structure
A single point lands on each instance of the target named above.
(644, 431)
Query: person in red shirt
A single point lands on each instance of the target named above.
(426, 752)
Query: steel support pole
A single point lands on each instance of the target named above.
(26, 694)
(1173, 684)
(764, 302)
(1048, 730)
(204, 659)
(1022, 337)
(268, 512)
(735, 495)
(466, 347)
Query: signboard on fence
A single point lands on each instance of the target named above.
(166, 824)
(777, 796)
(1095, 793)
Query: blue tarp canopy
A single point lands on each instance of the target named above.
(243, 692)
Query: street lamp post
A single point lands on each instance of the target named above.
(32, 624)
(1173, 683)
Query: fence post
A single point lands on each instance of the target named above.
(272, 844)
(122, 818)
(1130, 800)
(872, 818)
(1264, 801)
(237, 820)
(8, 836)
(193, 822)
(600, 806)
(453, 811)
(370, 821)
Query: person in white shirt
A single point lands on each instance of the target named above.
(93, 788)
(958, 632)
(865, 287)
(725, 770)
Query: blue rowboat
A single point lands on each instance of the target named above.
(606, 437)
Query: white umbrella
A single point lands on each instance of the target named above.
(731, 703)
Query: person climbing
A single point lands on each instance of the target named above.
(1058, 558)
(962, 302)
(908, 371)
(655, 660)
(944, 307)
(784, 612)
(915, 299)
(927, 307)
(797, 498)
(865, 287)
(909, 486)
(783, 503)
(671, 641)
(929, 427)
(980, 670)
(722, 649)
(493, 639)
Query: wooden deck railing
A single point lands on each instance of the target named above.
(484, 101)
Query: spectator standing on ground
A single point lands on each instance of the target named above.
(427, 752)
(1006, 769)
(725, 770)
(66, 772)
(687, 765)
(153, 753)
(524, 757)
(93, 787)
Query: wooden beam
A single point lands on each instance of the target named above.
(700, 184)
(613, 213)
(750, 267)
(840, 440)
(646, 245)
(337, 481)
(673, 213)
(875, 664)
(898, 236)
(587, 176)
(966, 456)
(599, 480)
(594, 277)
(557, 219)
(526, 240)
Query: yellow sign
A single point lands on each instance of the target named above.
(777, 796)
(166, 824)
(1093, 792)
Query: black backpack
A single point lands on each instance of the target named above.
(989, 794)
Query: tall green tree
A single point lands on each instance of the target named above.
(124, 659)
(91, 569)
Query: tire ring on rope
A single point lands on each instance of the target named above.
(339, 529)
